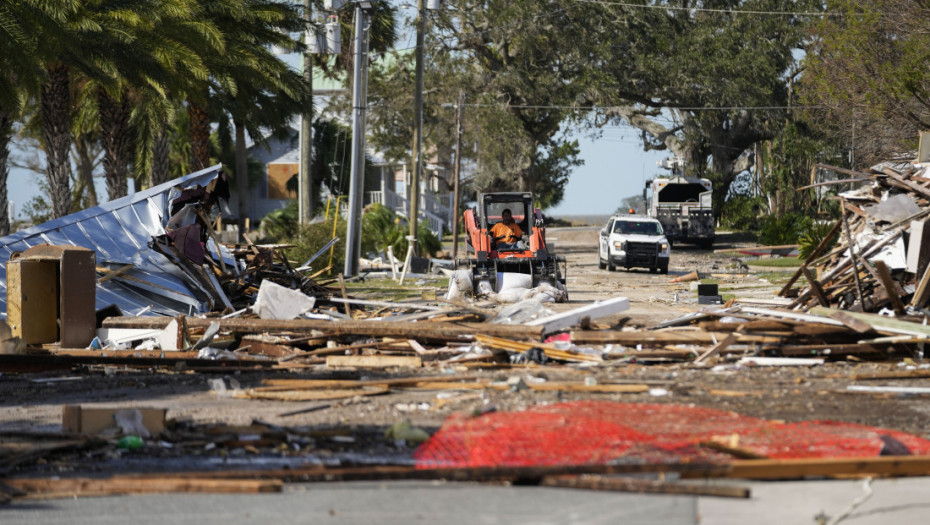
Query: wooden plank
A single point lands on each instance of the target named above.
(417, 347)
(49, 488)
(398, 381)
(858, 325)
(727, 341)
(111, 274)
(374, 361)
(550, 350)
(898, 374)
(884, 277)
(601, 337)
(562, 320)
(747, 469)
(881, 323)
(918, 247)
(432, 331)
(794, 316)
(643, 486)
(922, 294)
(912, 185)
(815, 286)
(311, 395)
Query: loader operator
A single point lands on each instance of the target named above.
(507, 233)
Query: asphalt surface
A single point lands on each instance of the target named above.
(899, 501)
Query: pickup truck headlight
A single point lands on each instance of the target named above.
(620, 246)
(663, 247)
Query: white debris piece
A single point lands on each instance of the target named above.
(278, 302)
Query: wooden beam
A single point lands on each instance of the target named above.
(747, 469)
(815, 286)
(432, 331)
(643, 486)
(884, 277)
(374, 361)
(858, 325)
(48, 488)
(882, 323)
(727, 341)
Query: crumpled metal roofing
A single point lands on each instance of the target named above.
(120, 232)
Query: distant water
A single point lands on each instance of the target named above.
(583, 220)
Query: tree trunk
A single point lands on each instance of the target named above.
(200, 135)
(242, 176)
(85, 153)
(116, 137)
(6, 130)
(160, 160)
(55, 108)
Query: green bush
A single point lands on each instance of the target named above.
(381, 228)
(315, 236)
(813, 236)
(786, 229)
(741, 212)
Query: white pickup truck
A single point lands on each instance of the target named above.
(633, 241)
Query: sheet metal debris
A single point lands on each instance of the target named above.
(157, 254)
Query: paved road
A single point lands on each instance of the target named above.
(901, 502)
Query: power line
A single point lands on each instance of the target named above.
(612, 108)
(708, 10)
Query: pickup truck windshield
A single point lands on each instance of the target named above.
(638, 227)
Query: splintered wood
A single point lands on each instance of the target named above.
(875, 257)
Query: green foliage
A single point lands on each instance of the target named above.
(866, 74)
(741, 212)
(315, 236)
(775, 262)
(810, 239)
(381, 228)
(787, 229)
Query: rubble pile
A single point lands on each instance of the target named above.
(879, 261)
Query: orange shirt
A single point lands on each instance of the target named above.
(510, 234)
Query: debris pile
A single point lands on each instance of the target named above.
(882, 247)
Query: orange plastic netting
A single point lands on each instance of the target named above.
(596, 432)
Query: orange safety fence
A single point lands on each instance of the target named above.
(599, 432)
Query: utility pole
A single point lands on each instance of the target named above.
(458, 175)
(418, 127)
(359, 106)
(305, 185)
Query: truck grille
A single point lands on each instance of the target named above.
(641, 252)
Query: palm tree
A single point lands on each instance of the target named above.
(23, 25)
(258, 90)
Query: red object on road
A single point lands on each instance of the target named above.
(598, 432)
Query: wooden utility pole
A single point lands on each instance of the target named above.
(418, 128)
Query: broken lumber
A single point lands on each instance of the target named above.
(373, 361)
(642, 486)
(432, 331)
(560, 321)
(50, 488)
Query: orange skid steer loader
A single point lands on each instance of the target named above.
(491, 259)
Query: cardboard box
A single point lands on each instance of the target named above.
(96, 420)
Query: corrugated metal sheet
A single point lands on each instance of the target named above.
(120, 232)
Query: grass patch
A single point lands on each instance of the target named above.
(389, 290)
(775, 277)
(780, 262)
